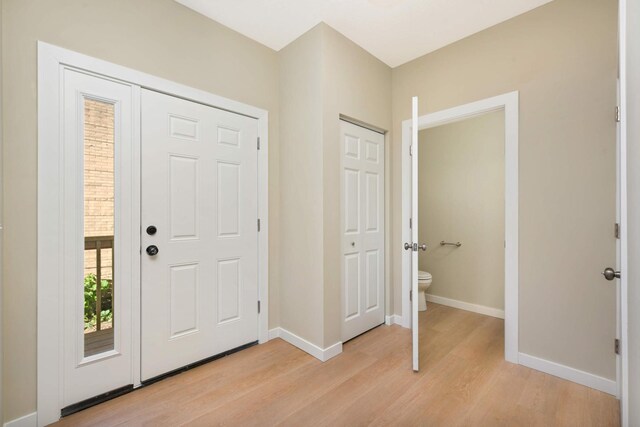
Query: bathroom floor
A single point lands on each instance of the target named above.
(464, 381)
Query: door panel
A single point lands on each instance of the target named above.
(372, 203)
(352, 201)
(363, 229)
(352, 288)
(199, 188)
(98, 124)
(183, 197)
(183, 284)
(373, 279)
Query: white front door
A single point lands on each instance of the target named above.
(362, 180)
(97, 231)
(199, 213)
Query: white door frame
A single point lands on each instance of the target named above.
(623, 289)
(52, 61)
(509, 103)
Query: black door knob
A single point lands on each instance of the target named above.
(152, 250)
(151, 230)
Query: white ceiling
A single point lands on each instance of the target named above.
(395, 31)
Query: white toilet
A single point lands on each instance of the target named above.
(424, 281)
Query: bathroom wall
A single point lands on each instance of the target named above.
(159, 37)
(461, 198)
(562, 58)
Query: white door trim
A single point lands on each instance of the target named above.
(509, 103)
(623, 314)
(52, 60)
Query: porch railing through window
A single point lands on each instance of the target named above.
(98, 286)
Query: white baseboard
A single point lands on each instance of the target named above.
(393, 319)
(306, 346)
(570, 374)
(30, 420)
(476, 308)
(274, 333)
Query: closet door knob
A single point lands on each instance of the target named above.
(610, 274)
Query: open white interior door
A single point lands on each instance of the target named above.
(414, 232)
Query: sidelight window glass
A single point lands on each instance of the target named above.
(99, 197)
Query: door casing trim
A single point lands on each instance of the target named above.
(509, 103)
(52, 61)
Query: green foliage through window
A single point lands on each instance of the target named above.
(90, 298)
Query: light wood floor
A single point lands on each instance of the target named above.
(464, 381)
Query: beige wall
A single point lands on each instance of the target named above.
(159, 37)
(1, 229)
(461, 198)
(301, 311)
(562, 58)
(633, 235)
(322, 75)
(357, 85)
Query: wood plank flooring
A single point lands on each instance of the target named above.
(97, 342)
(464, 381)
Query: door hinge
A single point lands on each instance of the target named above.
(411, 150)
(411, 295)
(258, 224)
(617, 113)
(258, 143)
(616, 346)
(411, 223)
(616, 230)
(258, 306)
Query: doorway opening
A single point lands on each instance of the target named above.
(461, 221)
(507, 105)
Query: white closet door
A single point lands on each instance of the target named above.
(362, 181)
(98, 129)
(200, 192)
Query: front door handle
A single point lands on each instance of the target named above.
(610, 274)
(152, 250)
